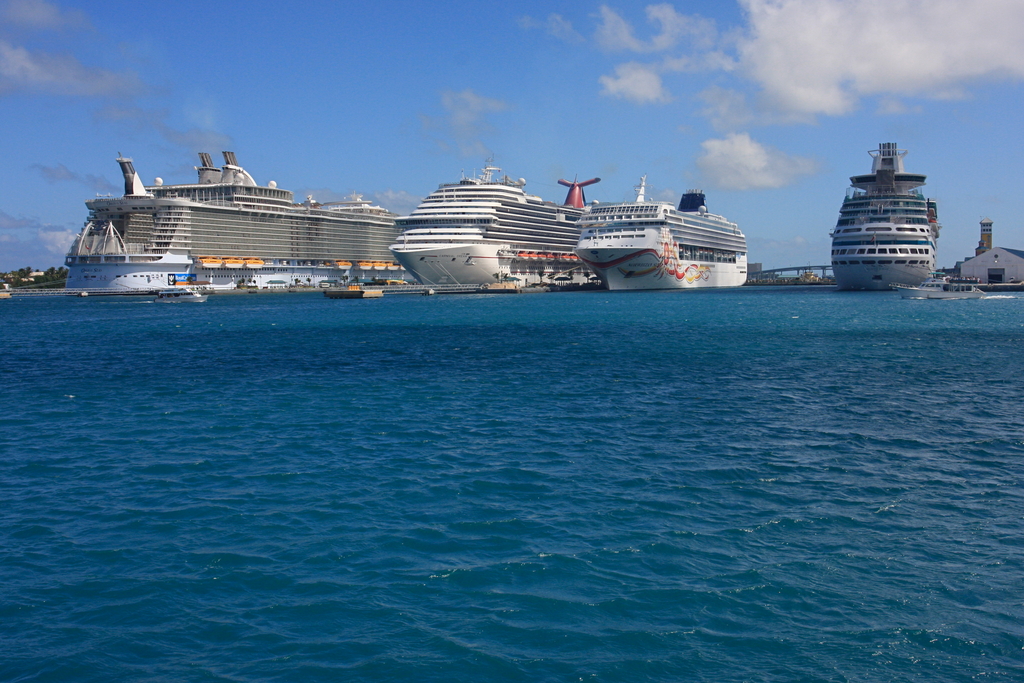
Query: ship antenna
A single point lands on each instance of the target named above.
(575, 197)
(641, 188)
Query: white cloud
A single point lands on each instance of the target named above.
(635, 82)
(739, 163)
(891, 105)
(28, 242)
(8, 222)
(60, 173)
(21, 69)
(555, 25)
(561, 28)
(397, 201)
(823, 56)
(643, 83)
(40, 15)
(139, 119)
(726, 109)
(615, 34)
(465, 121)
(56, 241)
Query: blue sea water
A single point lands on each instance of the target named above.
(759, 484)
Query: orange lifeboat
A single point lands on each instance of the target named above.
(210, 262)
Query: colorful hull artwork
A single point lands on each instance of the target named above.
(659, 268)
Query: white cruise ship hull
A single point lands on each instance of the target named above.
(652, 245)
(650, 268)
(143, 272)
(116, 272)
(453, 264)
(483, 230)
(875, 277)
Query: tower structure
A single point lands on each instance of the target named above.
(985, 243)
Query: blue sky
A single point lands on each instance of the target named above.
(768, 105)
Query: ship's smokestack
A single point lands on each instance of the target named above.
(208, 173)
(692, 201)
(575, 195)
(132, 183)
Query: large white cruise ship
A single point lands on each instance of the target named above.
(225, 231)
(647, 244)
(887, 230)
(484, 230)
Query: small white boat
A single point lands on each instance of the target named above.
(941, 288)
(179, 295)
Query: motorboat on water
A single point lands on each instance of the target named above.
(179, 295)
(938, 287)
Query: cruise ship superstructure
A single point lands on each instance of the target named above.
(647, 244)
(887, 230)
(487, 229)
(226, 231)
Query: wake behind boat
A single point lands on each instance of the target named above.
(942, 288)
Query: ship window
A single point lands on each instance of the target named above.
(871, 251)
(900, 261)
(854, 263)
(867, 262)
(884, 261)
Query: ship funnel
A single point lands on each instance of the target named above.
(234, 174)
(692, 201)
(888, 157)
(132, 183)
(575, 197)
(208, 173)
